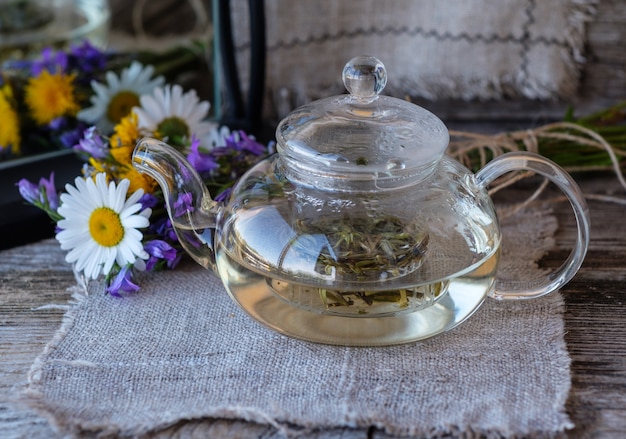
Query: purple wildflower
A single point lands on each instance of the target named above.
(240, 141)
(53, 62)
(49, 191)
(58, 123)
(87, 58)
(183, 204)
(202, 162)
(123, 282)
(43, 195)
(28, 190)
(163, 227)
(71, 137)
(223, 196)
(148, 201)
(223, 151)
(160, 250)
(16, 64)
(92, 143)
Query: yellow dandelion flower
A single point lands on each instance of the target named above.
(97, 166)
(122, 154)
(138, 180)
(49, 96)
(126, 132)
(119, 171)
(10, 127)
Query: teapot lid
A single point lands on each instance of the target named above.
(362, 134)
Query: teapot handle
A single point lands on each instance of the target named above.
(516, 161)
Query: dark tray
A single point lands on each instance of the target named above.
(21, 223)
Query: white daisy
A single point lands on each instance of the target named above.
(173, 115)
(217, 137)
(100, 225)
(115, 99)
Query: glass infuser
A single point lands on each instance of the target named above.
(359, 231)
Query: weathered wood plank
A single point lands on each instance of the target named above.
(594, 317)
(610, 11)
(25, 328)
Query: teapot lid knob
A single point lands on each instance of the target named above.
(347, 139)
(364, 76)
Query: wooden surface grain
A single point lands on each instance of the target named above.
(35, 276)
(595, 319)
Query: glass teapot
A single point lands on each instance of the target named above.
(360, 231)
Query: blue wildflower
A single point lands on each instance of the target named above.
(53, 62)
(49, 192)
(183, 204)
(87, 58)
(58, 123)
(43, 195)
(71, 137)
(93, 144)
(163, 227)
(223, 196)
(123, 282)
(159, 251)
(148, 200)
(28, 190)
(202, 162)
(240, 141)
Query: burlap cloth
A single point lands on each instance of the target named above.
(181, 351)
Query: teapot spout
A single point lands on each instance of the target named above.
(191, 209)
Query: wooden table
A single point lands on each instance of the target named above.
(34, 276)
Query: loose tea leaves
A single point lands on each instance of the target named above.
(402, 298)
(366, 248)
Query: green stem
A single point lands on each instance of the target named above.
(602, 114)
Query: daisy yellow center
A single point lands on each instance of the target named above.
(121, 104)
(173, 128)
(106, 227)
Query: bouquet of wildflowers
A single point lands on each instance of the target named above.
(112, 221)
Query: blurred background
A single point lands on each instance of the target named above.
(589, 34)
(477, 64)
